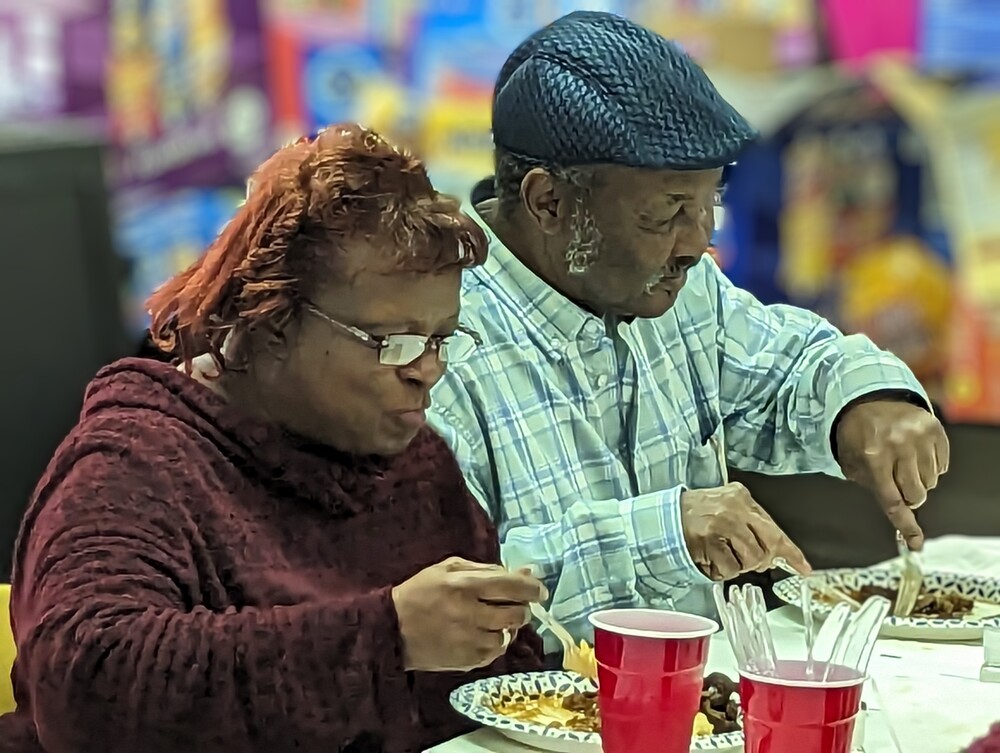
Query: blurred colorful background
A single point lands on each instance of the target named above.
(870, 196)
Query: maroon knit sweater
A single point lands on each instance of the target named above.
(190, 579)
(988, 744)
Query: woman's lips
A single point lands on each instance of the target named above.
(415, 419)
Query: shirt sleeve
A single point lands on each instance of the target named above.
(115, 654)
(597, 554)
(785, 376)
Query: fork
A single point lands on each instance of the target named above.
(911, 579)
(573, 659)
(817, 584)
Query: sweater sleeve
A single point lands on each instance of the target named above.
(116, 655)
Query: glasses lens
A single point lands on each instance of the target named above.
(457, 347)
(402, 350)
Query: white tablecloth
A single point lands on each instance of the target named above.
(928, 695)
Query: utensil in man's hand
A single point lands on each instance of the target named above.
(817, 584)
(911, 579)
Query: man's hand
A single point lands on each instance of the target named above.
(898, 451)
(728, 533)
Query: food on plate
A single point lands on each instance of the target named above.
(702, 727)
(720, 703)
(583, 661)
(578, 711)
(931, 604)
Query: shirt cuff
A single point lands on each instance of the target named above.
(655, 533)
(887, 374)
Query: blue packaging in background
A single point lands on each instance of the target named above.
(160, 233)
(334, 76)
(960, 35)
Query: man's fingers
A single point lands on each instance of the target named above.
(906, 475)
(942, 450)
(793, 556)
(749, 552)
(905, 522)
(722, 562)
(778, 544)
(890, 496)
(927, 466)
(885, 488)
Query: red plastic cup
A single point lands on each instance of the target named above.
(650, 670)
(793, 713)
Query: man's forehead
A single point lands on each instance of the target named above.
(662, 181)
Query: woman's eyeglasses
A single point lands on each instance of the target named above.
(405, 348)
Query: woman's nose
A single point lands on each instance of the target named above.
(427, 370)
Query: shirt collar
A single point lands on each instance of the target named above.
(555, 319)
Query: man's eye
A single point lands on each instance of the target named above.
(658, 227)
(662, 219)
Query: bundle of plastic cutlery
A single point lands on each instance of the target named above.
(846, 639)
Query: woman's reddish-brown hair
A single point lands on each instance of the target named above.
(303, 206)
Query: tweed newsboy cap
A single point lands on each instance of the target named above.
(594, 87)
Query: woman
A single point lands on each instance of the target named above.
(265, 549)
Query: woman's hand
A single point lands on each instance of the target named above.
(453, 616)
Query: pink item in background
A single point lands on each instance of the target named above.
(858, 29)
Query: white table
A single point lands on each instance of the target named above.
(929, 695)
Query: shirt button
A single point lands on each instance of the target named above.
(557, 344)
(602, 381)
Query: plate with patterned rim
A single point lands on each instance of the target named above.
(984, 590)
(473, 701)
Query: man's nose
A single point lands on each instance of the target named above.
(694, 236)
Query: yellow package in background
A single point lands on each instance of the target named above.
(455, 141)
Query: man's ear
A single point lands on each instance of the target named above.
(546, 200)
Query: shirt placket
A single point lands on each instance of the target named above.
(598, 381)
(596, 373)
(628, 373)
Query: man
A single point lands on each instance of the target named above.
(620, 369)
